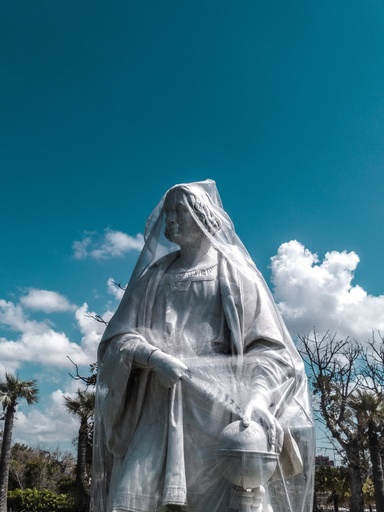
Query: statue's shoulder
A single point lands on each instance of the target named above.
(164, 261)
(239, 274)
(158, 267)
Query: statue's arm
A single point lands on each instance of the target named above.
(268, 381)
(149, 356)
(269, 369)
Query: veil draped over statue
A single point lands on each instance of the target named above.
(290, 489)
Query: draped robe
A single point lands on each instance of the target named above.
(160, 438)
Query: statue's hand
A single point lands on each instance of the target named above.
(168, 366)
(257, 410)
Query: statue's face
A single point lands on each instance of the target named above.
(181, 226)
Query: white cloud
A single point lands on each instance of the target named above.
(39, 342)
(35, 342)
(114, 290)
(8, 366)
(313, 293)
(13, 317)
(80, 247)
(111, 244)
(47, 348)
(91, 329)
(49, 426)
(46, 301)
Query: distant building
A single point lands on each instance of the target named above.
(323, 460)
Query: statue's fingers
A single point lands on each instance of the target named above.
(268, 422)
(279, 437)
(272, 435)
(247, 416)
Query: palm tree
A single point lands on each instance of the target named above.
(369, 410)
(11, 390)
(82, 407)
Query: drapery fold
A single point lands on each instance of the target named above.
(154, 446)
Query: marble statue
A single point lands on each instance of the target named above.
(202, 402)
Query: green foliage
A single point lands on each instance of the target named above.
(369, 491)
(39, 469)
(331, 486)
(38, 500)
(12, 389)
(329, 479)
(82, 407)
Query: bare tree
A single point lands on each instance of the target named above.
(334, 378)
(369, 407)
(373, 367)
(90, 380)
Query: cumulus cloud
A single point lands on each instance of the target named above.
(8, 366)
(13, 317)
(91, 329)
(46, 301)
(50, 426)
(47, 348)
(32, 341)
(111, 244)
(36, 341)
(319, 293)
(114, 289)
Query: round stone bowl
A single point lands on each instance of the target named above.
(243, 455)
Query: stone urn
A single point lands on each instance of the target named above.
(246, 462)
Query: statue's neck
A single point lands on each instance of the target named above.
(191, 256)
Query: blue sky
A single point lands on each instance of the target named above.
(103, 106)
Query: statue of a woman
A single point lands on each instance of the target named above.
(196, 344)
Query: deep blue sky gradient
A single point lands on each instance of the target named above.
(105, 105)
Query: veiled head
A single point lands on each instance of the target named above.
(192, 208)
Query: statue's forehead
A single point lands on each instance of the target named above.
(175, 196)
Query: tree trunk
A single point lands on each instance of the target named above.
(335, 498)
(377, 468)
(6, 456)
(353, 454)
(81, 499)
